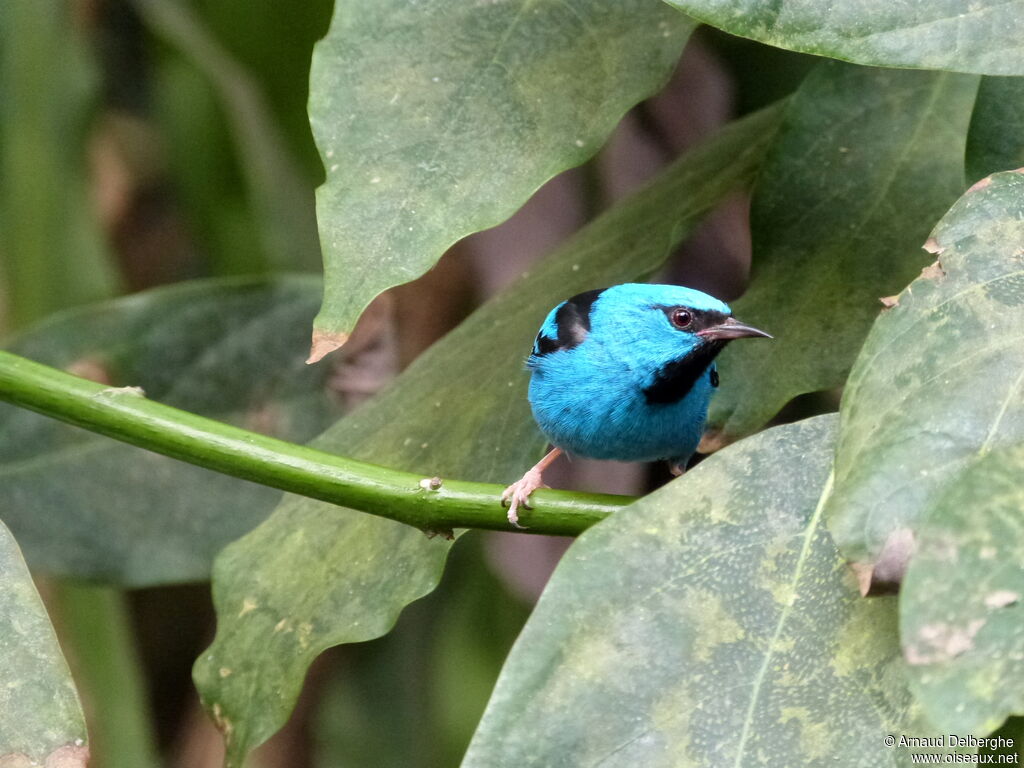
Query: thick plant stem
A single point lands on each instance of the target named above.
(433, 504)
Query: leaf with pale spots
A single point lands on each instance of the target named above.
(981, 36)
(712, 623)
(315, 575)
(963, 596)
(439, 118)
(940, 379)
(40, 717)
(865, 162)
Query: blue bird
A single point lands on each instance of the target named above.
(625, 373)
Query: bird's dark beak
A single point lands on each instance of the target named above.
(729, 329)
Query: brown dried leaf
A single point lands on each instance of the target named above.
(883, 577)
(933, 271)
(323, 344)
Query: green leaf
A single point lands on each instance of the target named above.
(981, 36)
(996, 140)
(438, 119)
(939, 380)
(866, 161)
(40, 717)
(314, 575)
(52, 246)
(226, 349)
(712, 623)
(961, 600)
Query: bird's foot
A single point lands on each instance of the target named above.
(677, 470)
(518, 495)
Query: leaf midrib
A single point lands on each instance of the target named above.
(812, 528)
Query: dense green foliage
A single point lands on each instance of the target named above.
(717, 621)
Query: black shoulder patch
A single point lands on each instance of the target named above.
(675, 380)
(714, 378)
(572, 321)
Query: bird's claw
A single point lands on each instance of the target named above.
(518, 495)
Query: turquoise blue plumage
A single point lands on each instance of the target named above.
(626, 373)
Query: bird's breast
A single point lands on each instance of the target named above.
(607, 411)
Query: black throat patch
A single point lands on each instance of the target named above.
(674, 380)
(572, 321)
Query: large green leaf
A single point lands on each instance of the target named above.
(996, 140)
(227, 349)
(939, 380)
(315, 575)
(866, 161)
(710, 624)
(40, 717)
(982, 36)
(438, 119)
(961, 601)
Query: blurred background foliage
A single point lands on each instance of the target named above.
(147, 142)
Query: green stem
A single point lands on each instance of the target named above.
(125, 414)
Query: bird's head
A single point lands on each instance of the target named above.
(665, 335)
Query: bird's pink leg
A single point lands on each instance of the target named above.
(519, 492)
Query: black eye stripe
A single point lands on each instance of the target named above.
(701, 318)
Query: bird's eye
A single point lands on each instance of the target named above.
(681, 318)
